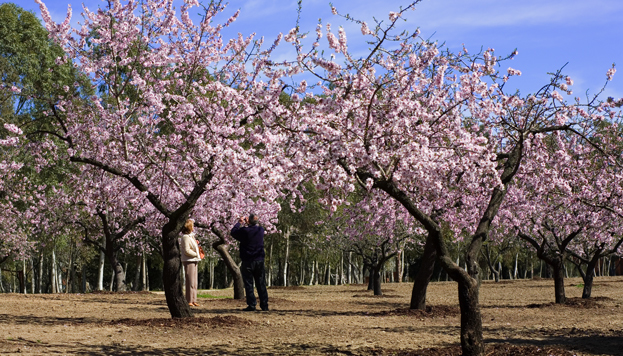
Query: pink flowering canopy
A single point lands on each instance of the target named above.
(568, 186)
(177, 104)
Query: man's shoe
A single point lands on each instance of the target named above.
(265, 309)
(249, 308)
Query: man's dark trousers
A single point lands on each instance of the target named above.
(254, 270)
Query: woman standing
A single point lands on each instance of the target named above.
(190, 258)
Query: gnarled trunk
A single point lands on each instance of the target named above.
(471, 319)
(221, 247)
(588, 284)
(559, 282)
(423, 276)
(173, 289)
(375, 276)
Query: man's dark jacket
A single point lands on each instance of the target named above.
(251, 241)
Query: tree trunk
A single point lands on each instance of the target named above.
(144, 280)
(302, 269)
(559, 282)
(118, 271)
(328, 275)
(178, 307)
(71, 271)
(588, 284)
(53, 272)
(270, 265)
(211, 273)
(516, 260)
(286, 257)
(349, 270)
(111, 286)
(238, 284)
(40, 280)
(120, 285)
(100, 276)
(32, 273)
(376, 271)
(341, 269)
(317, 280)
(471, 320)
(589, 275)
(137, 274)
(398, 273)
(313, 273)
(423, 276)
(21, 278)
(83, 279)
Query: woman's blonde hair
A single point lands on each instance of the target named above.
(189, 226)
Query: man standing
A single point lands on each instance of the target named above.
(251, 237)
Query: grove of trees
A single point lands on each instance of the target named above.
(409, 162)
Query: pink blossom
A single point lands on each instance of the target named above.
(12, 128)
(569, 81)
(334, 43)
(291, 36)
(364, 29)
(556, 95)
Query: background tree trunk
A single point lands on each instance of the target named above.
(32, 275)
(286, 256)
(270, 265)
(100, 275)
(349, 278)
(398, 274)
(376, 284)
(313, 273)
(137, 274)
(53, 273)
(40, 279)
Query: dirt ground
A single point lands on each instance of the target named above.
(518, 319)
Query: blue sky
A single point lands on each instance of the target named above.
(588, 35)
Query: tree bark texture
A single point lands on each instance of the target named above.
(423, 276)
(375, 276)
(173, 289)
(238, 284)
(559, 282)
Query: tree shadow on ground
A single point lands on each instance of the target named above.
(22, 345)
(589, 344)
(49, 321)
(424, 329)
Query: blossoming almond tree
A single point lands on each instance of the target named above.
(432, 129)
(566, 203)
(375, 237)
(176, 108)
(104, 204)
(14, 242)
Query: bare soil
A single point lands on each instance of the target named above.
(519, 318)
